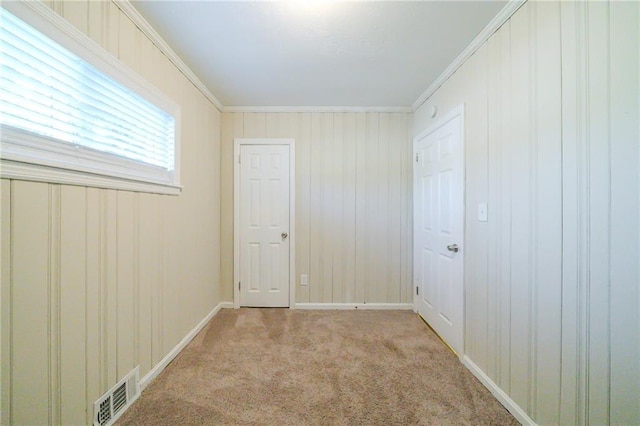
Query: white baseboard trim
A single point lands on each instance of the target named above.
(500, 395)
(365, 306)
(157, 369)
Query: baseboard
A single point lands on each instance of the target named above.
(336, 306)
(157, 369)
(500, 395)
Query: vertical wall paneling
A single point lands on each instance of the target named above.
(361, 206)
(95, 21)
(303, 181)
(556, 325)
(572, 399)
(125, 283)
(146, 277)
(315, 212)
(128, 41)
(382, 237)
(393, 286)
(521, 206)
(492, 257)
(504, 206)
(476, 115)
(352, 193)
(109, 268)
(78, 14)
(30, 304)
(95, 313)
(406, 232)
(371, 207)
(624, 111)
(58, 6)
(326, 206)
(348, 183)
(232, 126)
(598, 151)
(111, 22)
(5, 302)
(255, 125)
(157, 312)
(170, 283)
(548, 231)
(336, 212)
(73, 321)
(54, 293)
(95, 281)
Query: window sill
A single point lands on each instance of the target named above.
(32, 172)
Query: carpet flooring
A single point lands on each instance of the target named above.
(281, 366)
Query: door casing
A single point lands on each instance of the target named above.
(456, 112)
(237, 143)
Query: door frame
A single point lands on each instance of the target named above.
(237, 144)
(457, 111)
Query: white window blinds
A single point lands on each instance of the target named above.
(52, 96)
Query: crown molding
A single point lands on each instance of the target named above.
(503, 16)
(507, 11)
(128, 9)
(387, 109)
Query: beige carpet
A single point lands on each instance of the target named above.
(281, 366)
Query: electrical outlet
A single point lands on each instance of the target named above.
(303, 279)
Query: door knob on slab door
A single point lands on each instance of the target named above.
(453, 247)
(284, 235)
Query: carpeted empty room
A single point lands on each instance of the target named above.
(281, 366)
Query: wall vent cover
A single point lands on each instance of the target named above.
(114, 402)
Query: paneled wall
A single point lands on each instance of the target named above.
(552, 131)
(353, 211)
(95, 281)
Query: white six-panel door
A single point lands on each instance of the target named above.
(264, 225)
(438, 229)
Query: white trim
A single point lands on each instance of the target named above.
(132, 13)
(157, 369)
(455, 112)
(500, 395)
(23, 157)
(505, 13)
(237, 142)
(503, 16)
(58, 29)
(353, 306)
(38, 173)
(388, 109)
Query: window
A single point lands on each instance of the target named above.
(86, 119)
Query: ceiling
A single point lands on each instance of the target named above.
(318, 53)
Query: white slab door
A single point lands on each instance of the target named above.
(438, 229)
(264, 225)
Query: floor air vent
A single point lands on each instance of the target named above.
(113, 403)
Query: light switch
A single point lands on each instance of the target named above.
(482, 212)
(303, 279)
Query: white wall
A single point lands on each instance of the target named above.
(353, 211)
(552, 130)
(95, 282)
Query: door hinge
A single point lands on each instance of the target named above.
(239, 286)
(417, 291)
(238, 158)
(416, 157)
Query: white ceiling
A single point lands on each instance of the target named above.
(318, 53)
